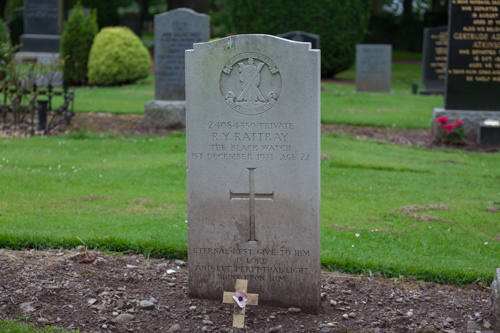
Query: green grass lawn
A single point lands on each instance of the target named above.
(14, 326)
(120, 193)
(340, 104)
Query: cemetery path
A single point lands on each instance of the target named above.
(131, 293)
(134, 125)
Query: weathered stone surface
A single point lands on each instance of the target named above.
(165, 114)
(434, 59)
(253, 155)
(175, 32)
(373, 67)
(123, 318)
(495, 301)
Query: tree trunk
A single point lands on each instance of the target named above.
(436, 5)
(376, 6)
(407, 8)
(144, 4)
(200, 6)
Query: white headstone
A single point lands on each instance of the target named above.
(373, 67)
(253, 158)
(175, 32)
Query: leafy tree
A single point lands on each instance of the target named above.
(76, 41)
(340, 24)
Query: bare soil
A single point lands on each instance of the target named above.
(98, 292)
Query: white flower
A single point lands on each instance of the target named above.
(357, 235)
(352, 245)
(485, 243)
(100, 176)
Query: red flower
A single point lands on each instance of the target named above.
(458, 122)
(449, 127)
(442, 120)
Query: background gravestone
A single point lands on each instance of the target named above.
(42, 26)
(253, 155)
(175, 31)
(434, 60)
(301, 36)
(373, 67)
(473, 68)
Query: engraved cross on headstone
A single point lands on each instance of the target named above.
(251, 196)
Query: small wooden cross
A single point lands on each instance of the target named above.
(239, 313)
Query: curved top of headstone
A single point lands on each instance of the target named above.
(231, 41)
(182, 11)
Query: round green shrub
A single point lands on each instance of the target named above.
(340, 24)
(117, 56)
(76, 41)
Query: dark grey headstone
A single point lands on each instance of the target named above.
(176, 31)
(473, 70)
(41, 26)
(133, 22)
(434, 59)
(302, 36)
(41, 17)
(373, 67)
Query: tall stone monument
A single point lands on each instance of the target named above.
(253, 159)
(175, 32)
(473, 67)
(373, 67)
(434, 60)
(42, 26)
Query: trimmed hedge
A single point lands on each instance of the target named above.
(76, 41)
(117, 57)
(340, 24)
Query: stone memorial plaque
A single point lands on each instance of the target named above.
(41, 17)
(302, 36)
(434, 58)
(373, 67)
(42, 26)
(253, 158)
(175, 32)
(473, 73)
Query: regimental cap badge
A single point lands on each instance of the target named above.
(254, 87)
